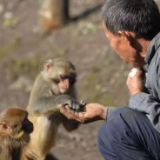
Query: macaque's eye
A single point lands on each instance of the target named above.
(63, 77)
(56, 80)
(71, 79)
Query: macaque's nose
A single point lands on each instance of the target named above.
(66, 82)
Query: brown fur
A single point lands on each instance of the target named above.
(44, 99)
(14, 134)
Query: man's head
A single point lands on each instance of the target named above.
(130, 25)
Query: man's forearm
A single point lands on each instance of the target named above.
(104, 113)
(149, 105)
(109, 111)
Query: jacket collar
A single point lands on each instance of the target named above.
(153, 47)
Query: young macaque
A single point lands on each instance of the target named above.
(53, 86)
(14, 133)
(53, 13)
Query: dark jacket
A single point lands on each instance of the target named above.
(149, 103)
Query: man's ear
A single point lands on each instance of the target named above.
(5, 127)
(127, 35)
(48, 65)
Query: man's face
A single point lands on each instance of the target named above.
(122, 46)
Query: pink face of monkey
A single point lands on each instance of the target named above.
(62, 73)
(66, 82)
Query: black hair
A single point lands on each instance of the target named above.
(139, 16)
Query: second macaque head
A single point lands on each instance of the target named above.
(14, 123)
(60, 72)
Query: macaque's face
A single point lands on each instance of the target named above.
(22, 124)
(61, 73)
(27, 126)
(66, 82)
(14, 122)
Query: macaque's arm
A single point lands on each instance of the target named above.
(49, 104)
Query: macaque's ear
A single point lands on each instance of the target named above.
(48, 65)
(4, 126)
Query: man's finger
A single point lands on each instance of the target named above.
(64, 111)
(82, 116)
(139, 73)
(61, 108)
(68, 108)
(76, 114)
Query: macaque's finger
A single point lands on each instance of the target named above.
(74, 105)
(83, 103)
(73, 114)
(77, 107)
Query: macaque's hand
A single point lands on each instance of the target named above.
(73, 104)
(93, 111)
(134, 82)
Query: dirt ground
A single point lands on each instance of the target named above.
(24, 49)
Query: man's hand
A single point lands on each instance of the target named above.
(135, 83)
(93, 111)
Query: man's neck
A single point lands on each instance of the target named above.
(145, 45)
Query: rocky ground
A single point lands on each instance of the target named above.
(24, 49)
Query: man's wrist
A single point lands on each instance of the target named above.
(104, 112)
(135, 92)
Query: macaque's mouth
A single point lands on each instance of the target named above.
(64, 90)
(30, 131)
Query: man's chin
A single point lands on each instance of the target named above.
(137, 65)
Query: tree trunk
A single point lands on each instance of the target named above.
(53, 13)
